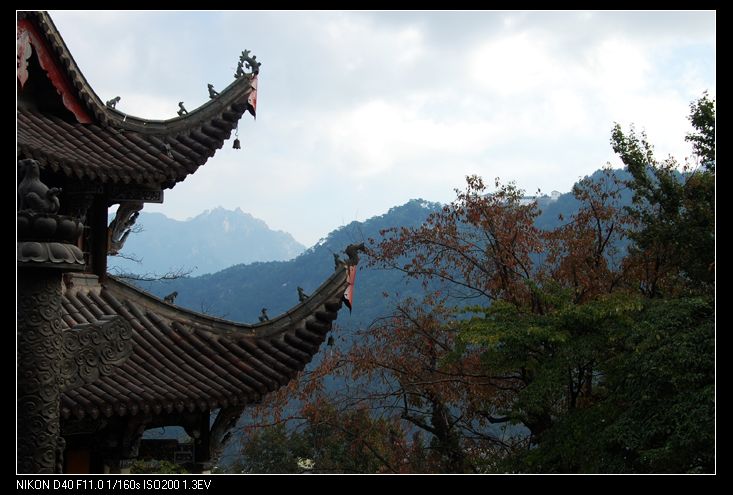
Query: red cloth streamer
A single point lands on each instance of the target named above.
(252, 98)
(349, 292)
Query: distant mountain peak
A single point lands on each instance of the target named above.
(211, 241)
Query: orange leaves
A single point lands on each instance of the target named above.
(482, 244)
(585, 253)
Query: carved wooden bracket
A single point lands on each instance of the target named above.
(122, 224)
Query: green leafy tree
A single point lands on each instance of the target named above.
(271, 450)
(653, 408)
(327, 439)
(674, 243)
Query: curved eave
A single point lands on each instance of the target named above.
(232, 99)
(125, 149)
(330, 290)
(222, 112)
(187, 361)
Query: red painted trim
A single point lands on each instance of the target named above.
(252, 98)
(55, 73)
(349, 292)
(24, 52)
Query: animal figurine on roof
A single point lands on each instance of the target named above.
(352, 251)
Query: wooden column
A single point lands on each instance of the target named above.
(39, 370)
(97, 217)
(202, 451)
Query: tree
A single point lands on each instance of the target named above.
(702, 117)
(529, 281)
(483, 246)
(674, 243)
(326, 439)
(653, 410)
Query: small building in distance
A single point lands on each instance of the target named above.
(554, 196)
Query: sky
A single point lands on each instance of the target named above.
(361, 111)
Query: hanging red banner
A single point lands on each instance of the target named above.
(349, 293)
(252, 98)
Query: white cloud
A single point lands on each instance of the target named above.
(619, 66)
(360, 43)
(379, 136)
(515, 64)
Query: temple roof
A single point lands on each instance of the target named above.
(181, 360)
(103, 144)
(187, 361)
